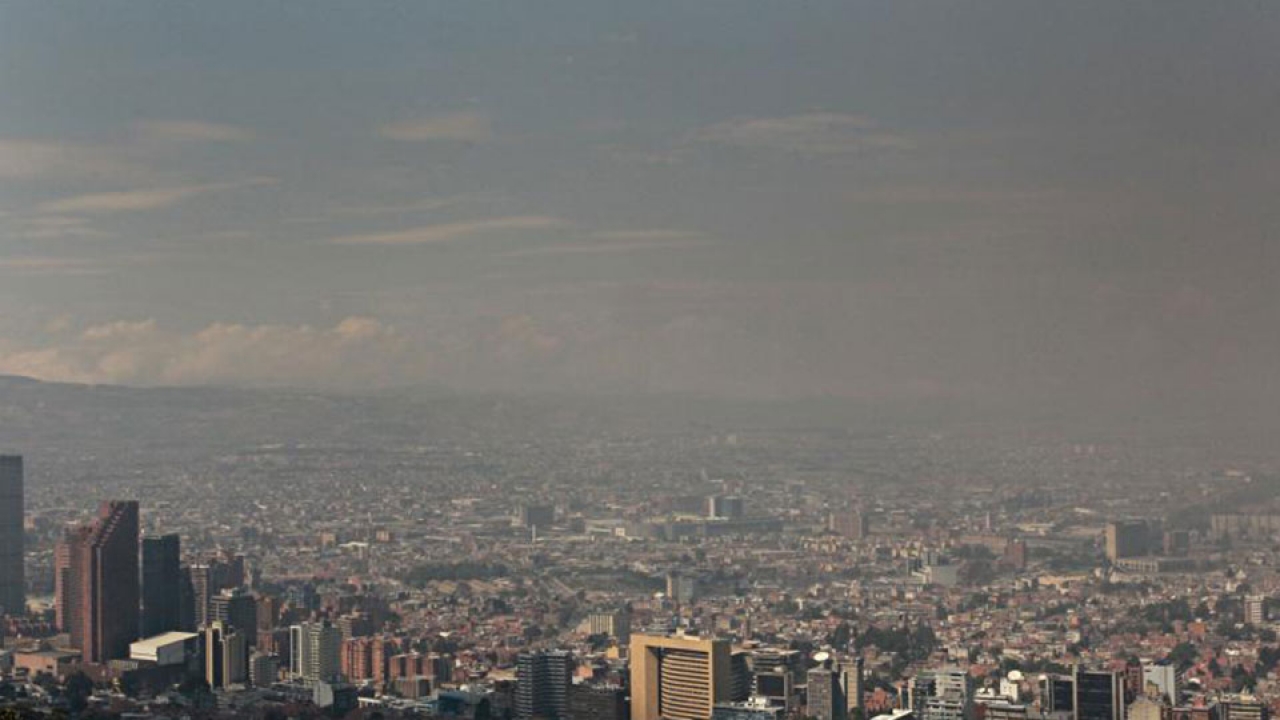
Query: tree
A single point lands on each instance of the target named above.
(1183, 656)
(78, 688)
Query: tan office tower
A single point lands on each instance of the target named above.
(678, 677)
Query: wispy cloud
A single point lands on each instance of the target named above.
(622, 241)
(137, 200)
(33, 159)
(819, 133)
(193, 131)
(423, 205)
(653, 234)
(457, 127)
(49, 265)
(47, 227)
(445, 232)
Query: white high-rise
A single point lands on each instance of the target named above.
(316, 652)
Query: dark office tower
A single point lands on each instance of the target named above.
(542, 685)
(1099, 695)
(536, 516)
(161, 585)
(825, 694)
(226, 656)
(13, 599)
(186, 601)
(103, 569)
(237, 610)
(1126, 538)
(725, 506)
(1058, 693)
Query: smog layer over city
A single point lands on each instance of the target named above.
(649, 360)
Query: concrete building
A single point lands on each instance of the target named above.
(678, 677)
(597, 702)
(171, 648)
(613, 624)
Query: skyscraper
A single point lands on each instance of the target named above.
(226, 656)
(97, 576)
(825, 693)
(315, 652)
(161, 585)
(678, 677)
(12, 583)
(202, 589)
(542, 685)
(237, 610)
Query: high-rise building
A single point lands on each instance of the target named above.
(678, 677)
(161, 585)
(237, 610)
(263, 669)
(13, 596)
(612, 624)
(186, 600)
(202, 590)
(1126, 538)
(226, 656)
(853, 678)
(66, 583)
(542, 685)
(1099, 695)
(315, 652)
(825, 694)
(681, 588)
(98, 583)
(1058, 694)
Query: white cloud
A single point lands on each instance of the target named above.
(192, 131)
(445, 232)
(357, 352)
(456, 127)
(136, 200)
(819, 133)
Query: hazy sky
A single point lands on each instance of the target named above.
(864, 199)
